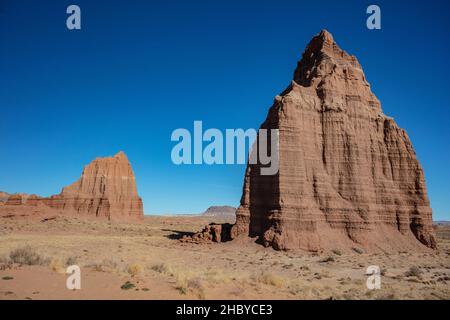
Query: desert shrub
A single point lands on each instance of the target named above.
(181, 287)
(71, 261)
(134, 269)
(327, 259)
(27, 256)
(186, 282)
(304, 268)
(163, 268)
(337, 252)
(127, 286)
(413, 272)
(196, 286)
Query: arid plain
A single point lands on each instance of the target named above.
(147, 261)
(349, 196)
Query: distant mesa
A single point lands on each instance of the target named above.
(348, 174)
(107, 189)
(220, 211)
(3, 197)
(442, 223)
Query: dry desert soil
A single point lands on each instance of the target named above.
(147, 261)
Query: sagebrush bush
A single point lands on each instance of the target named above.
(27, 256)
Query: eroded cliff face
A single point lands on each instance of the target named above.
(348, 174)
(106, 189)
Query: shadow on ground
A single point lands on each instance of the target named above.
(177, 235)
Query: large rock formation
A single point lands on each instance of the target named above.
(106, 189)
(348, 175)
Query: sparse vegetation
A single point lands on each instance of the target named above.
(185, 284)
(358, 250)
(127, 286)
(135, 269)
(268, 279)
(181, 287)
(27, 256)
(71, 261)
(327, 259)
(214, 271)
(7, 278)
(57, 265)
(163, 268)
(106, 265)
(5, 263)
(337, 252)
(414, 271)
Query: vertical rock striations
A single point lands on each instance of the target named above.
(348, 174)
(106, 189)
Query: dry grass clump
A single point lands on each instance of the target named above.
(135, 269)
(217, 276)
(58, 266)
(163, 268)
(268, 279)
(27, 256)
(414, 272)
(106, 265)
(5, 263)
(187, 283)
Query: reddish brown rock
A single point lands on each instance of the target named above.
(348, 173)
(106, 189)
(210, 233)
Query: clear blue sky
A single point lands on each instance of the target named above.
(139, 69)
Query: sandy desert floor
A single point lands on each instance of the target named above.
(146, 261)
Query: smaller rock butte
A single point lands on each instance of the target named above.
(107, 189)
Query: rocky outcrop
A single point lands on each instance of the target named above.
(348, 174)
(211, 233)
(106, 189)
